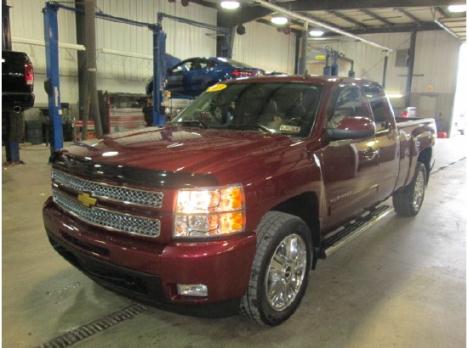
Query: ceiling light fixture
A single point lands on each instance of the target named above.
(279, 20)
(457, 8)
(316, 32)
(230, 5)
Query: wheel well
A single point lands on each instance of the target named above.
(425, 158)
(306, 207)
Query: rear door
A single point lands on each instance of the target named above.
(350, 167)
(386, 138)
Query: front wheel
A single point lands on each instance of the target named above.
(408, 200)
(280, 270)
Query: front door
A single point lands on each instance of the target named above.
(349, 167)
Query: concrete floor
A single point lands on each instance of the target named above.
(400, 284)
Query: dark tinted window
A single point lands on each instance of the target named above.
(381, 110)
(287, 108)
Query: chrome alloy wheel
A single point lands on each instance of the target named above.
(418, 191)
(286, 272)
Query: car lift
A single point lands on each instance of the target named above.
(332, 70)
(159, 70)
(53, 72)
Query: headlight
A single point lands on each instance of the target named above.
(209, 212)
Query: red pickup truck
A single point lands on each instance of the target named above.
(233, 202)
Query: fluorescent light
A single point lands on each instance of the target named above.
(230, 5)
(316, 32)
(279, 20)
(457, 8)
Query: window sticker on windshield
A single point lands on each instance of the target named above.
(217, 87)
(290, 129)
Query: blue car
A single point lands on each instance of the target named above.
(192, 76)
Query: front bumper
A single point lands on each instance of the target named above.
(147, 270)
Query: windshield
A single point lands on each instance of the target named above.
(284, 108)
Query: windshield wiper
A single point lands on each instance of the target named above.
(198, 123)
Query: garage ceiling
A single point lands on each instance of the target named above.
(358, 16)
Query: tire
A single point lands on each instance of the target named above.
(275, 231)
(408, 200)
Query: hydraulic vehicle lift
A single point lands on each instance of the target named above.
(51, 35)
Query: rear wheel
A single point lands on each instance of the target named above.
(408, 200)
(280, 270)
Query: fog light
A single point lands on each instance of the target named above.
(200, 290)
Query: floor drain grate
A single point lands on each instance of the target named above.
(74, 336)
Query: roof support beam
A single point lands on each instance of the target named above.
(397, 28)
(315, 18)
(308, 5)
(376, 16)
(309, 20)
(409, 15)
(347, 19)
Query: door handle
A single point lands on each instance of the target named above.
(370, 153)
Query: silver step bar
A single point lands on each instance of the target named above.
(354, 229)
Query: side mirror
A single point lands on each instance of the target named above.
(352, 127)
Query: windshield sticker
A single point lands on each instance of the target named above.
(290, 129)
(217, 87)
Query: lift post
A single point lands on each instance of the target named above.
(159, 72)
(53, 74)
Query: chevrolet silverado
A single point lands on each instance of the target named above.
(235, 200)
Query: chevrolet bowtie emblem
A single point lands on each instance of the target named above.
(87, 200)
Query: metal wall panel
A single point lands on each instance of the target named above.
(262, 46)
(436, 61)
(116, 73)
(435, 67)
(369, 61)
(128, 74)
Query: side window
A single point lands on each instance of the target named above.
(348, 102)
(181, 68)
(197, 64)
(210, 63)
(381, 110)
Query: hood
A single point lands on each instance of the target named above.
(222, 153)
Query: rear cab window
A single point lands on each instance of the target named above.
(381, 109)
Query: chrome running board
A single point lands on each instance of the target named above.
(353, 229)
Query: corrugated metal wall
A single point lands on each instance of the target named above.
(368, 60)
(435, 64)
(127, 74)
(264, 47)
(435, 68)
(435, 61)
(115, 73)
(261, 46)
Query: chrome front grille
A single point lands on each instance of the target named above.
(108, 219)
(106, 191)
